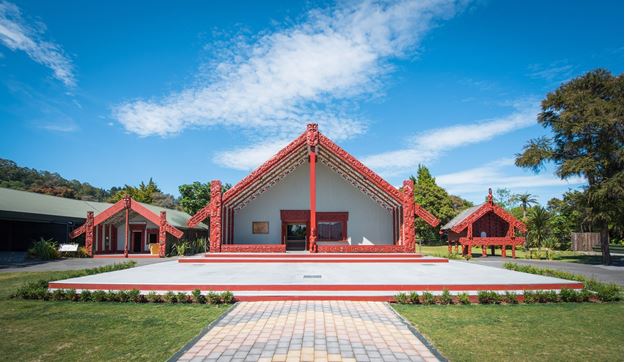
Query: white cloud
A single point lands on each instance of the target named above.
(430, 145)
(247, 158)
(499, 174)
(64, 127)
(17, 34)
(309, 72)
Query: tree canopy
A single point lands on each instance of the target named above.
(196, 195)
(437, 201)
(585, 116)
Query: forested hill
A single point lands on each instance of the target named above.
(28, 179)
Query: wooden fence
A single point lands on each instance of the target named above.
(585, 241)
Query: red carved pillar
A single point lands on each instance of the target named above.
(89, 233)
(162, 234)
(312, 139)
(127, 202)
(484, 250)
(215, 217)
(408, 237)
(470, 238)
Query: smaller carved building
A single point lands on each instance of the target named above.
(484, 225)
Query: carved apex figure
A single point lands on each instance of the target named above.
(127, 201)
(490, 196)
(312, 134)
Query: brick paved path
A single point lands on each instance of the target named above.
(309, 331)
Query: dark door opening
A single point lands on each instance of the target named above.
(296, 236)
(137, 241)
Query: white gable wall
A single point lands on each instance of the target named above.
(368, 222)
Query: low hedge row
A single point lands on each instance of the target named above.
(605, 292)
(491, 297)
(38, 290)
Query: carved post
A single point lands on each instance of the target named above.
(127, 202)
(89, 233)
(162, 234)
(470, 239)
(312, 139)
(215, 217)
(408, 237)
(484, 250)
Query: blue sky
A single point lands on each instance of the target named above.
(118, 92)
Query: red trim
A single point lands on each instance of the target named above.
(318, 255)
(312, 287)
(130, 256)
(354, 298)
(260, 259)
(252, 248)
(361, 249)
(113, 238)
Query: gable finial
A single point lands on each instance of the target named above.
(312, 134)
(490, 195)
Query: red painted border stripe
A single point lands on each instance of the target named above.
(322, 260)
(304, 256)
(121, 256)
(308, 287)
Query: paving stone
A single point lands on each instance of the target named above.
(309, 331)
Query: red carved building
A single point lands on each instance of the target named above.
(312, 196)
(129, 227)
(486, 225)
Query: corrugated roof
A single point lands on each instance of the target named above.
(34, 203)
(460, 217)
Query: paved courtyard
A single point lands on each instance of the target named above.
(309, 331)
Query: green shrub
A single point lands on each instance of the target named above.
(488, 297)
(135, 296)
(112, 296)
(184, 298)
(198, 297)
(510, 298)
(85, 296)
(568, 295)
(445, 298)
(99, 296)
(213, 298)
(154, 298)
(57, 295)
(428, 298)
(32, 290)
(123, 296)
(170, 297)
(609, 293)
(463, 298)
(70, 294)
(182, 248)
(529, 297)
(585, 295)
(402, 298)
(547, 296)
(44, 250)
(413, 298)
(227, 297)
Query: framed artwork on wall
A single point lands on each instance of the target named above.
(260, 227)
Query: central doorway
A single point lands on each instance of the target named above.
(296, 234)
(137, 241)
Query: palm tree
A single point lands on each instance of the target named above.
(525, 200)
(538, 225)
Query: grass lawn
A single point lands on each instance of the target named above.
(537, 332)
(62, 331)
(558, 255)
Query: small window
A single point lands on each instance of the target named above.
(260, 227)
(330, 231)
(152, 238)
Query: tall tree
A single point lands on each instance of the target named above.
(436, 200)
(525, 200)
(538, 225)
(195, 196)
(586, 118)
